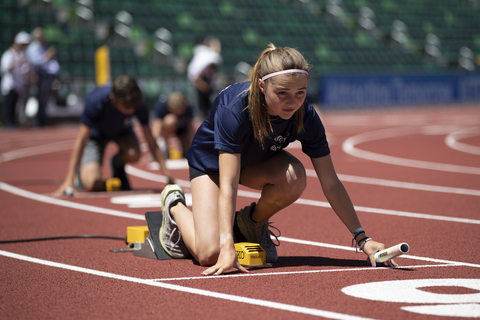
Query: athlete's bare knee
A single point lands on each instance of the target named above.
(296, 178)
(207, 259)
(293, 183)
(207, 255)
(91, 185)
(91, 176)
(169, 124)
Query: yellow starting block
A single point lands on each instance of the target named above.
(147, 244)
(250, 254)
(137, 234)
(113, 184)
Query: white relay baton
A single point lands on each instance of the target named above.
(392, 252)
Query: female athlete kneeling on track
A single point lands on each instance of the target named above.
(243, 141)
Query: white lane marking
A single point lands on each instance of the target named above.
(69, 204)
(251, 194)
(248, 194)
(407, 291)
(172, 164)
(406, 256)
(397, 213)
(122, 214)
(407, 185)
(182, 164)
(316, 203)
(464, 310)
(452, 140)
(36, 150)
(201, 292)
(400, 184)
(344, 177)
(74, 205)
(349, 147)
(253, 274)
(410, 291)
(145, 200)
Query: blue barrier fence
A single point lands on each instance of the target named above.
(347, 91)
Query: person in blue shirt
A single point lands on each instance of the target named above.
(174, 121)
(108, 117)
(243, 141)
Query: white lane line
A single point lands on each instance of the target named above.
(243, 193)
(255, 195)
(69, 204)
(33, 196)
(407, 185)
(65, 145)
(406, 256)
(253, 274)
(452, 140)
(323, 204)
(201, 292)
(400, 184)
(153, 176)
(344, 177)
(397, 213)
(349, 147)
(36, 150)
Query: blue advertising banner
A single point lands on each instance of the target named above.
(382, 90)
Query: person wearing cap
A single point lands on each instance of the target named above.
(16, 72)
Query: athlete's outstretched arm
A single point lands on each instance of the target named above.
(340, 201)
(82, 137)
(156, 152)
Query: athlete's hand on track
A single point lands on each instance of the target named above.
(226, 261)
(62, 189)
(371, 247)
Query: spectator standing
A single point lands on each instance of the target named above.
(202, 70)
(16, 72)
(46, 67)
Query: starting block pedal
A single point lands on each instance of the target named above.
(251, 255)
(137, 234)
(113, 184)
(145, 239)
(152, 248)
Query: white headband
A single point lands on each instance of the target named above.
(283, 72)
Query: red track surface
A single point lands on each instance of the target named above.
(436, 211)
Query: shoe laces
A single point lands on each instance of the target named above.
(270, 233)
(174, 230)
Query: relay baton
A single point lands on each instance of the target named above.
(392, 252)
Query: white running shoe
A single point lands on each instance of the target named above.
(170, 236)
